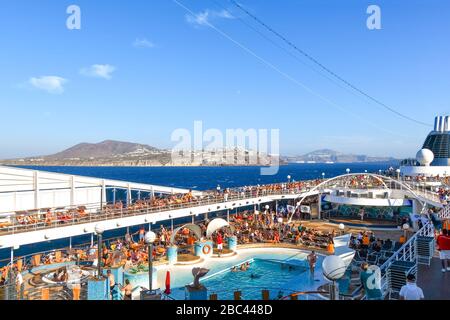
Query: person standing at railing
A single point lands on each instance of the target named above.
(443, 242)
(141, 234)
(20, 285)
(112, 283)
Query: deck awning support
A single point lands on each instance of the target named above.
(128, 195)
(72, 191)
(103, 195)
(36, 189)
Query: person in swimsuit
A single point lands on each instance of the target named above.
(112, 283)
(127, 290)
(312, 259)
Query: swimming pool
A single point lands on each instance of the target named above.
(280, 271)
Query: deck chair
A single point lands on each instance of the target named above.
(19, 264)
(36, 260)
(358, 260)
(363, 254)
(386, 247)
(372, 259)
(382, 260)
(397, 246)
(58, 257)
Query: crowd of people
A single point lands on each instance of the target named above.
(257, 227)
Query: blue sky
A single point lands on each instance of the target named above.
(137, 70)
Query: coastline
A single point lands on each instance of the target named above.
(115, 165)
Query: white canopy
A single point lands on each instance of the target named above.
(192, 227)
(215, 225)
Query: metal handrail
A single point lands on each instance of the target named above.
(407, 252)
(444, 214)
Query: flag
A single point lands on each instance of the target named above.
(305, 209)
(290, 209)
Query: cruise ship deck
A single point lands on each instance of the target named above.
(41, 207)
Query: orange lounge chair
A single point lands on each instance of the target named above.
(36, 260)
(58, 257)
(19, 264)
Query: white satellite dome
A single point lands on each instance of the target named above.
(425, 157)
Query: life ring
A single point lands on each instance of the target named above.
(206, 249)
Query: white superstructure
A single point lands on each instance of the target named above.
(434, 157)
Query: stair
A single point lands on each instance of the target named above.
(425, 249)
(397, 273)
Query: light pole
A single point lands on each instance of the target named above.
(280, 221)
(266, 214)
(99, 231)
(405, 228)
(149, 239)
(218, 191)
(398, 174)
(333, 268)
(289, 178)
(323, 175)
(342, 228)
(347, 170)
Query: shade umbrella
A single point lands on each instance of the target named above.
(168, 291)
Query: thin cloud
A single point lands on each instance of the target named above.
(50, 84)
(205, 17)
(103, 71)
(143, 43)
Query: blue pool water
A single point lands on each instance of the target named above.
(276, 277)
(270, 266)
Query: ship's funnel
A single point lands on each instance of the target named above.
(446, 124)
(442, 124)
(437, 123)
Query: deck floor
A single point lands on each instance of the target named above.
(434, 283)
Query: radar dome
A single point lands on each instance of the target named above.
(425, 157)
